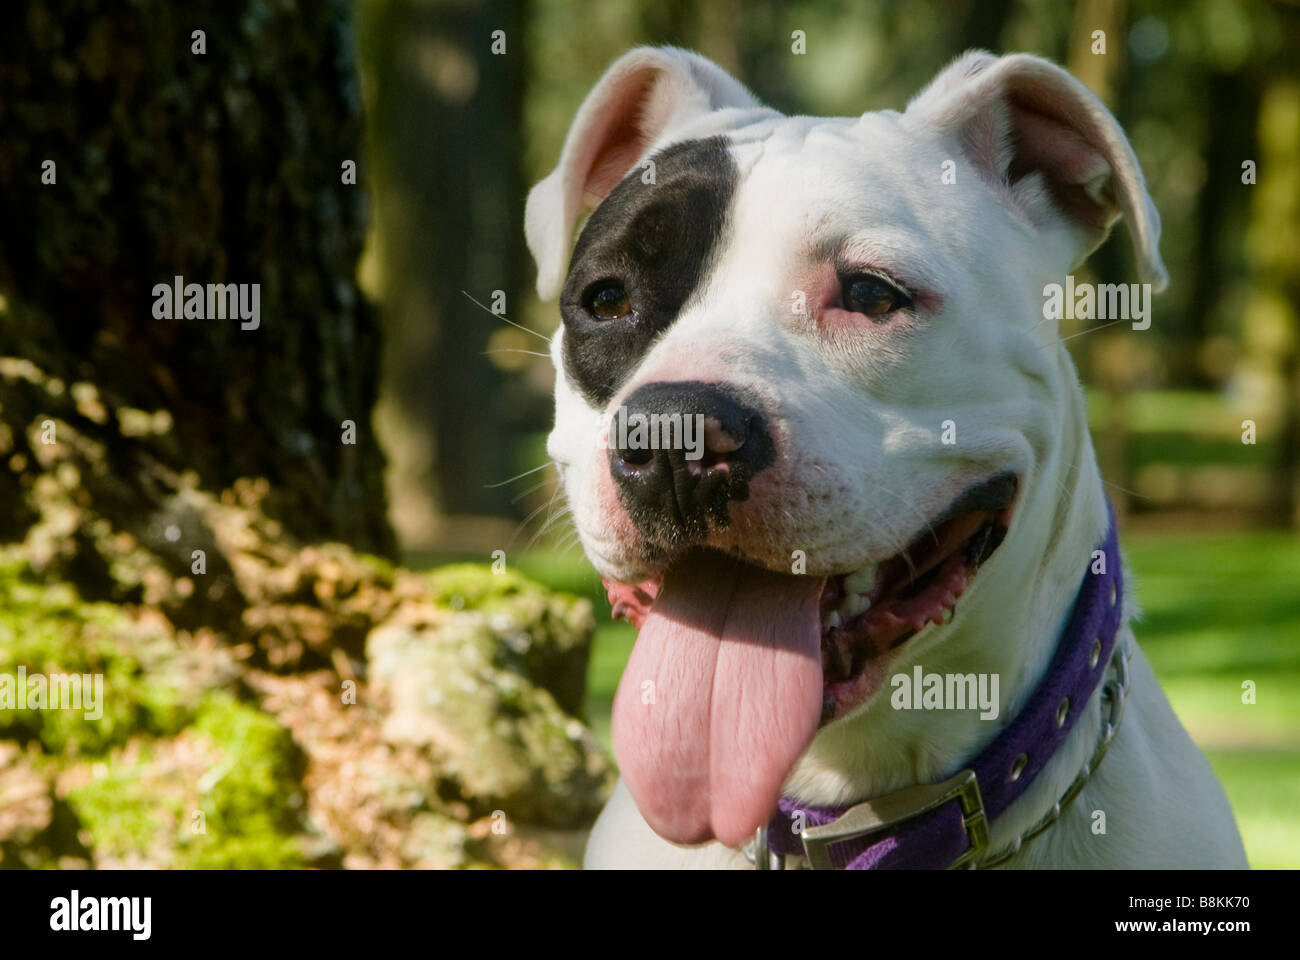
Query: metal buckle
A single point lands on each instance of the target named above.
(881, 813)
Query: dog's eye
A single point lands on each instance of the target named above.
(870, 295)
(609, 302)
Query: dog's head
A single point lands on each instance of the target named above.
(803, 379)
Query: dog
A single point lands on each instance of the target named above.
(891, 474)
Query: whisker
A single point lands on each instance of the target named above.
(502, 316)
(576, 541)
(556, 512)
(1084, 332)
(531, 353)
(1114, 486)
(525, 521)
(1131, 493)
(569, 539)
(528, 490)
(518, 476)
(559, 515)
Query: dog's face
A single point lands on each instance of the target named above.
(802, 378)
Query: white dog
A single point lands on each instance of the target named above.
(818, 434)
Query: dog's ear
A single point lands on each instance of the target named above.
(1034, 130)
(647, 94)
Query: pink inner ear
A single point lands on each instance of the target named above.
(1076, 173)
(619, 141)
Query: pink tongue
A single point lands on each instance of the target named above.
(721, 695)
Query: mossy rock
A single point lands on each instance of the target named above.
(481, 674)
(499, 740)
(223, 794)
(546, 636)
(435, 840)
(150, 685)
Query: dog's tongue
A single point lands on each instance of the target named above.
(721, 695)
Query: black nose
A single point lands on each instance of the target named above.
(681, 452)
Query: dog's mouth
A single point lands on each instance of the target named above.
(872, 611)
(736, 667)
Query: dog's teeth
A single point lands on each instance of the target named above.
(861, 581)
(947, 615)
(833, 620)
(853, 604)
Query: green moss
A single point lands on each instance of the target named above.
(144, 809)
(473, 586)
(382, 568)
(121, 814)
(250, 808)
(49, 630)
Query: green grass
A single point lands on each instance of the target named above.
(1218, 610)
(1192, 413)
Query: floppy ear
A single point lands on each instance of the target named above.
(1036, 132)
(647, 94)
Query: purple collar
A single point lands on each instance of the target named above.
(947, 824)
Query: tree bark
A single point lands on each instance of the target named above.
(220, 166)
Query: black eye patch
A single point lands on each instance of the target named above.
(653, 241)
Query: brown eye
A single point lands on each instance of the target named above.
(609, 303)
(872, 296)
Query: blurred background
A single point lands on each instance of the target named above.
(1201, 87)
(225, 166)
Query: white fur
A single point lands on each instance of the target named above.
(857, 415)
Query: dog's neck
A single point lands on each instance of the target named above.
(1008, 625)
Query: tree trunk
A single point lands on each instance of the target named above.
(135, 152)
